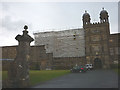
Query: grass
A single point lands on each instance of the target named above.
(41, 76)
(4, 75)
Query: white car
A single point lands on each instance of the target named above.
(89, 66)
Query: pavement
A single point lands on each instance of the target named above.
(90, 79)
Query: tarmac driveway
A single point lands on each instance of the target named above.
(90, 79)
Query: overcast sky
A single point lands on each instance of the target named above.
(49, 16)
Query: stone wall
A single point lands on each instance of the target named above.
(8, 55)
(9, 52)
(114, 48)
(38, 57)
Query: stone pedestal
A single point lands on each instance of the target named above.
(18, 75)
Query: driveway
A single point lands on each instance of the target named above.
(90, 79)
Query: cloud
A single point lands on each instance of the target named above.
(118, 16)
(9, 28)
(5, 6)
(11, 25)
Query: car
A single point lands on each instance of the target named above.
(82, 69)
(89, 66)
(78, 69)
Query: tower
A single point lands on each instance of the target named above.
(96, 40)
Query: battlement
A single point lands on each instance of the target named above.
(95, 24)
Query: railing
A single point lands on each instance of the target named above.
(6, 59)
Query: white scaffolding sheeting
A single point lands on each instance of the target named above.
(68, 43)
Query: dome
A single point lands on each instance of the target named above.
(104, 16)
(86, 14)
(103, 12)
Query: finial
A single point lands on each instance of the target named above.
(103, 8)
(25, 27)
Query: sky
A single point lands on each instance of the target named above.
(49, 16)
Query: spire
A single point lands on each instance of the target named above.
(103, 8)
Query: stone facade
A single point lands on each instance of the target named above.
(98, 41)
(92, 42)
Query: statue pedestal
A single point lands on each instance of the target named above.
(18, 74)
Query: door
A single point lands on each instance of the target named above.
(97, 63)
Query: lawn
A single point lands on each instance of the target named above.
(37, 76)
(41, 76)
(4, 75)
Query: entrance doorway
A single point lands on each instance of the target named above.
(97, 63)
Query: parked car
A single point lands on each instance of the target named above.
(89, 66)
(78, 69)
(82, 69)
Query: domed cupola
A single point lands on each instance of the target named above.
(86, 18)
(104, 16)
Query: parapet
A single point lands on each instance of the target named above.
(95, 24)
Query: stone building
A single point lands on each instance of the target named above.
(93, 42)
(101, 46)
(63, 49)
(97, 40)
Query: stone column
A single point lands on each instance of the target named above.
(19, 73)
